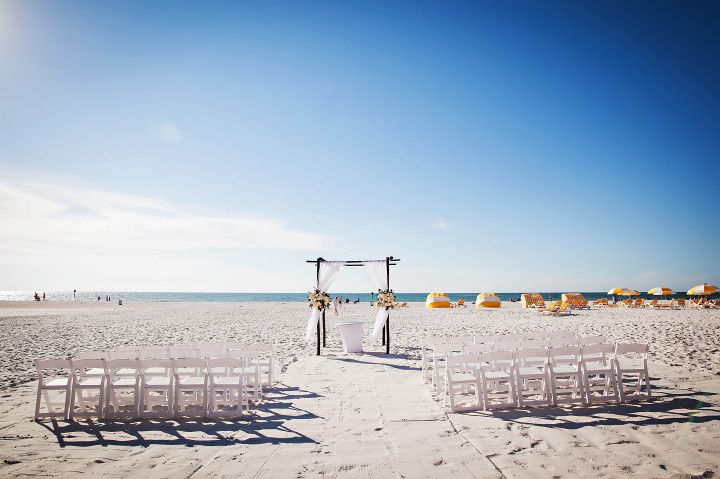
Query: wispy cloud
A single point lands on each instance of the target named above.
(170, 133)
(440, 224)
(40, 218)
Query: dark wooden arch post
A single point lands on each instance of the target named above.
(323, 313)
(386, 329)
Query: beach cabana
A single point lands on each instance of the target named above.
(573, 298)
(487, 300)
(437, 300)
(531, 300)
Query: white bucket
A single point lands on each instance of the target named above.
(351, 337)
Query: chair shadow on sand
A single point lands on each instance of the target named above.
(668, 406)
(266, 425)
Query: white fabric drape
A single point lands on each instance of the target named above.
(328, 270)
(377, 273)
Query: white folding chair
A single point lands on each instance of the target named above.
(461, 378)
(191, 381)
(532, 377)
(598, 374)
(495, 370)
(265, 363)
(631, 369)
(439, 354)
(156, 388)
(90, 384)
(250, 372)
(49, 385)
(226, 391)
(426, 355)
(121, 383)
(565, 376)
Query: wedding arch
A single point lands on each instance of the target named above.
(378, 272)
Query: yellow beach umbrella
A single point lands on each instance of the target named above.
(660, 291)
(702, 289)
(623, 292)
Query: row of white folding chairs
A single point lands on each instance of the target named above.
(147, 388)
(439, 345)
(264, 354)
(546, 376)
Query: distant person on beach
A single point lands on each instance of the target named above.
(335, 305)
(98, 298)
(37, 297)
(74, 292)
(43, 295)
(357, 300)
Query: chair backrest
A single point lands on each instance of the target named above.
(113, 366)
(163, 364)
(507, 345)
(235, 345)
(216, 352)
(632, 348)
(510, 337)
(555, 342)
(597, 352)
(182, 351)
(534, 343)
(562, 334)
(126, 347)
(536, 335)
(681, 302)
(43, 366)
(477, 348)
(532, 356)
(80, 366)
(585, 340)
(91, 355)
(462, 363)
(197, 364)
(441, 349)
(563, 355)
(484, 339)
(124, 354)
(497, 360)
(154, 352)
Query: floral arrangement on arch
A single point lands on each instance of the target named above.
(319, 299)
(385, 299)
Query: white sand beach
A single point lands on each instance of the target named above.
(363, 415)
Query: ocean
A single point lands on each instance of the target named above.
(262, 297)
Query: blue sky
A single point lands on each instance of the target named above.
(506, 146)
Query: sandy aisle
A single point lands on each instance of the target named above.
(368, 415)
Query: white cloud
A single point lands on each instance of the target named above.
(170, 133)
(39, 218)
(439, 224)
